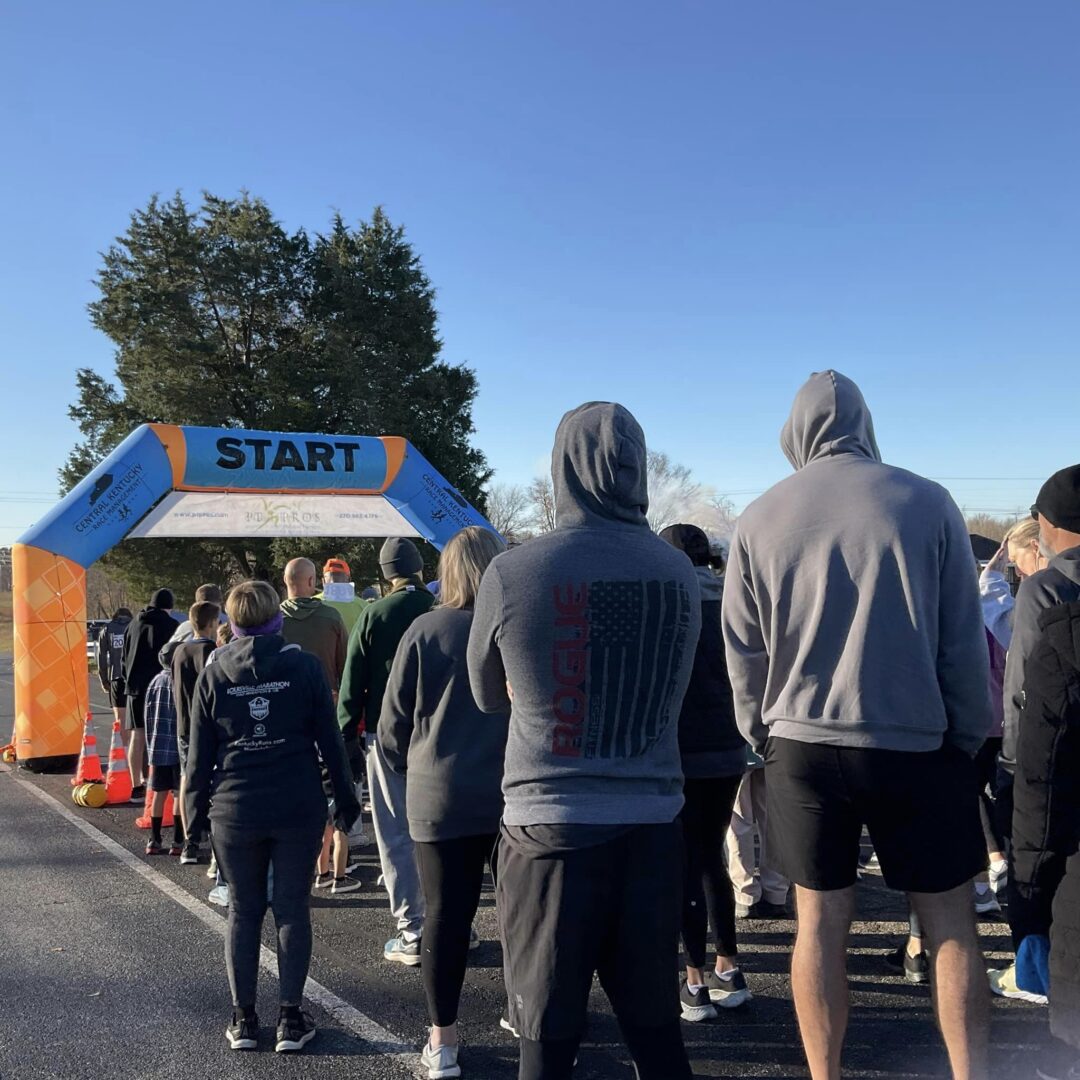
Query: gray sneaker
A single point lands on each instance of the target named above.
(441, 1062)
(403, 951)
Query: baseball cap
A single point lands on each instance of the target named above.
(336, 566)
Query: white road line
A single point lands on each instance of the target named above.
(378, 1037)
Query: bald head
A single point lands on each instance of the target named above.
(300, 578)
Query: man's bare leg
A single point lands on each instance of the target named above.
(961, 997)
(819, 976)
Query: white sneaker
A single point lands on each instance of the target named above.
(219, 895)
(999, 877)
(986, 903)
(440, 1063)
(344, 885)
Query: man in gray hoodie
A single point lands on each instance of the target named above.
(590, 633)
(858, 660)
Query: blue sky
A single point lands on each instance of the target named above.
(686, 207)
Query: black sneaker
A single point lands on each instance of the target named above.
(243, 1032)
(766, 909)
(189, 856)
(695, 1003)
(294, 1032)
(916, 969)
(730, 992)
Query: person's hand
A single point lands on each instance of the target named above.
(1000, 560)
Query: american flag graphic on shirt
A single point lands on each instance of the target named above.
(619, 649)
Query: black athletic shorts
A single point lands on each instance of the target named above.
(921, 810)
(134, 717)
(165, 778)
(117, 694)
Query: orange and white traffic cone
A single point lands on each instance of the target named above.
(89, 770)
(143, 821)
(118, 778)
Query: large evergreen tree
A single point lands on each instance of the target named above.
(221, 317)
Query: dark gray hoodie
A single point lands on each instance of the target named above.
(594, 626)
(851, 602)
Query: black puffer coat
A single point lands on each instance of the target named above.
(1046, 815)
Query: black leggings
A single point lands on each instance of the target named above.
(451, 875)
(658, 1054)
(987, 768)
(707, 887)
(245, 857)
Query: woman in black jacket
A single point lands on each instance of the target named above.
(262, 716)
(713, 760)
(432, 731)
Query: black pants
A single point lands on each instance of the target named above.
(613, 909)
(245, 857)
(451, 875)
(987, 769)
(707, 892)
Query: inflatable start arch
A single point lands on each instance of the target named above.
(167, 481)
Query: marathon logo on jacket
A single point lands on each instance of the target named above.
(618, 646)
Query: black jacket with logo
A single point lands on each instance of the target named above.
(110, 650)
(1046, 808)
(262, 717)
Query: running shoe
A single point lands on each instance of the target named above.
(402, 950)
(211, 870)
(986, 903)
(294, 1032)
(729, 990)
(916, 969)
(153, 847)
(1003, 983)
(243, 1032)
(440, 1062)
(999, 879)
(324, 881)
(507, 1024)
(344, 885)
(695, 1002)
(219, 895)
(138, 794)
(175, 850)
(190, 855)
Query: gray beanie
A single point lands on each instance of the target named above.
(400, 559)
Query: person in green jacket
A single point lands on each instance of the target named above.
(316, 627)
(340, 593)
(372, 647)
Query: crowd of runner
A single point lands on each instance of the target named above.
(640, 747)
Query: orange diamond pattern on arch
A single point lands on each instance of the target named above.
(49, 600)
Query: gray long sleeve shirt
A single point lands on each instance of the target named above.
(851, 601)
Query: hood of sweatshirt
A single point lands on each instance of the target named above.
(598, 468)
(256, 658)
(302, 607)
(829, 417)
(712, 587)
(1068, 563)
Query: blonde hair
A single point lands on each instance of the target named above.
(252, 603)
(1022, 534)
(462, 564)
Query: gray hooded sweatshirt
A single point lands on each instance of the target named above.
(851, 602)
(594, 626)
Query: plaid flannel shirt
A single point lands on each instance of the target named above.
(161, 721)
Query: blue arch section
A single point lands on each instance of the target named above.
(103, 507)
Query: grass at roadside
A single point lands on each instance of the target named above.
(7, 641)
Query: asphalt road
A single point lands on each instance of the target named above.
(111, 966)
